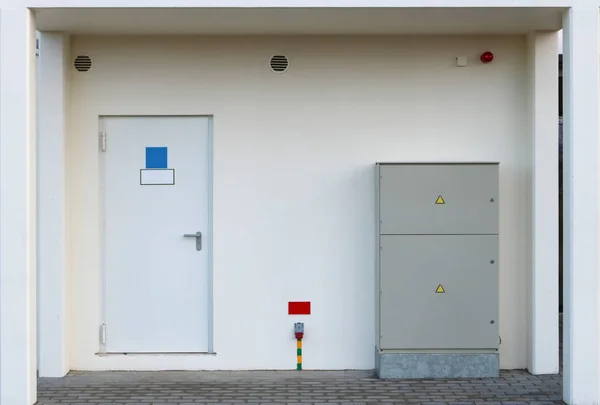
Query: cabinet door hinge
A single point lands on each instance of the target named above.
(103, 141)
(103, 334)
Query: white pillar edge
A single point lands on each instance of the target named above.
(581, 205)
(52, 101)
(17, 208)
(543, 339)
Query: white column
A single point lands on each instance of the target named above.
(581, 205)
(17, 208)
(543, 189)
(52, 276)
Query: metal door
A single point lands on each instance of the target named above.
(156, 229)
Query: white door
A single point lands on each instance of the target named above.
(156, 191)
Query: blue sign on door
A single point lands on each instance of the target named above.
(156, 157)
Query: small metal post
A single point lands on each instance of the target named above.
(299, 333)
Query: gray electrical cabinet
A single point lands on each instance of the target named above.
(437, 270)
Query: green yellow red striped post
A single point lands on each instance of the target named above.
(299, 353)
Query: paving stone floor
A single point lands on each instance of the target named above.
(305, 387)
(515, 387)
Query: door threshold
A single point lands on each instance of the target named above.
(156, 354)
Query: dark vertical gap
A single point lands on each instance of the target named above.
(560, 210)
(560, 186)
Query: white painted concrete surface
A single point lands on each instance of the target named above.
(17, 208)
(542, 293)
(54, 64)
(318, 20)
(297, 3)
(560, 41)
(582, 231)
(293, 186)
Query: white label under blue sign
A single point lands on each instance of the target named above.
(157, 177)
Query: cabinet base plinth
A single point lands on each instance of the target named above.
(436, 365)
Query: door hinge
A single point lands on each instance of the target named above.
(103, 334)
(103, 141)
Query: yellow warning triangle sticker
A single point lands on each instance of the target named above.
(440, 200)
(440, 289)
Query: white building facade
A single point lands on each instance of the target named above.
(281, 206)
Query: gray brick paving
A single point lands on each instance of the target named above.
(287, 388)
(515, 387)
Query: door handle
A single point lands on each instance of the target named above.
(198, 236)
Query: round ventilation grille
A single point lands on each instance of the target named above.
(82, 63)
(279, 63)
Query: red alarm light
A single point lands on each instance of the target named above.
(487, 57)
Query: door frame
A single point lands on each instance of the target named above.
(102, 215)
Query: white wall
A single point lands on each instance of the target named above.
(293, 187)
(18, 231)
(559, 39)
(54, 64)
(543, 333)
